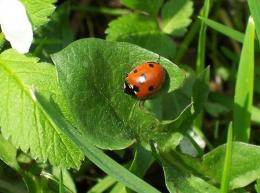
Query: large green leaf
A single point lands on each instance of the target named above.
(39, 11)
(94, 154)
(244, 169)
(22, 120)
(143, 31)
(150, 6)
(91, 74)
(176, 16)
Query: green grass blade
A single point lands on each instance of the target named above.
(254, 6)
(227, 31)
(61, 185)
(227, 164)
(200, 63)
(102, 185)
(94, 154)
(202, 39)
(244, 86)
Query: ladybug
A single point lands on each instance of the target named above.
(144, 80)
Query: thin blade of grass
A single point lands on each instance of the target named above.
(200, 63)
(244, 86)
(227, 164)
(102, 185)
(227, 31)
(97, 156)
(61, 186)
(254, 6)
(202, 39)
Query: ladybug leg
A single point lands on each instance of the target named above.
(141, 103)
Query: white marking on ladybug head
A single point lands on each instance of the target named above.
(142, 79)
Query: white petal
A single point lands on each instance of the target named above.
(15, 25)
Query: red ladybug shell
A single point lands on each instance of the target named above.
(144, 80)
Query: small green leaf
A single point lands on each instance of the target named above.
(39, 11)
(143, 31)
(91, 74)
(150, 6)
(8, 153)
(130, 25)
(180, 179)
(244, 169)
(254, 10)
(21, 119)
(176, 16)
(244, 86)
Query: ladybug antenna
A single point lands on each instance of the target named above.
(159, 58)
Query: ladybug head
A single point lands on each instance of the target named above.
(130, 89)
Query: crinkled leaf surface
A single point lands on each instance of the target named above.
(143, 31)
(150, 6)
(22, 120)
(39, 11)
(176, 16)
(91, 73)
(244, 166)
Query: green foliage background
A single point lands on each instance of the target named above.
(63, 112)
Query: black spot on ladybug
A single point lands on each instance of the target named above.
(151, 65)
(150, 88)
(135, 71)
